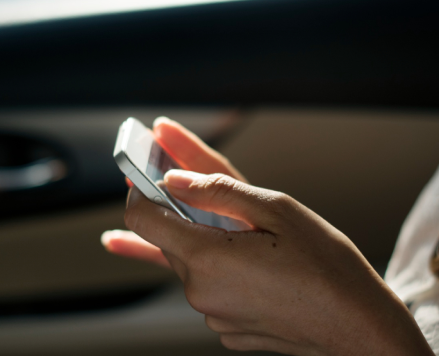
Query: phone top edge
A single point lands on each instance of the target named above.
(119, 139)
(124, 163)
(124, 133)
(127, 131)
(119, 153)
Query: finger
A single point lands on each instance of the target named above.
(164, 228)
(128, 182)
(190, 151)
(222, 326)
(251, 342)
(227, 196)
(128, 244)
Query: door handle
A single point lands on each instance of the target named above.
(35, 174)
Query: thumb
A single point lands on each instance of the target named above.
(224, 195)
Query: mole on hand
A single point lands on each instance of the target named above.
(273, 244)
(230, 239)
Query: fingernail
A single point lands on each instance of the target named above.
(160, 120)
(181, 179)
(106, 237)
(109, 235)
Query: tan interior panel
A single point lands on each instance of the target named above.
(360, 169)
(62, 253)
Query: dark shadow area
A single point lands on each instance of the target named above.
(338, 52)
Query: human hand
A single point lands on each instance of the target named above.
(294, 284)
(191, 153)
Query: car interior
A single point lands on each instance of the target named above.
(333, 102)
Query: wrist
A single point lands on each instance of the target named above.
(381, 325)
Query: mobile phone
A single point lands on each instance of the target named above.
(141, 158)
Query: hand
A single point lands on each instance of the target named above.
(294, 284)
(189, 152)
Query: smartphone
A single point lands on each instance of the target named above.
(145, 162)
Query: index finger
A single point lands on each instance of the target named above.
(164, 228)
(190, 151)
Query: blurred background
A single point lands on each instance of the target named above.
(333, 102)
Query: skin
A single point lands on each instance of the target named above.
(292, 283)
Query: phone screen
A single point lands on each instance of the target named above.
(158, 164)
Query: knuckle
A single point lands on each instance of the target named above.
(196, 300)
(283, 201)
(221, 326)
(212, 323)
(232, 342)
(280, 205)
(200, 294)
(219, 185)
